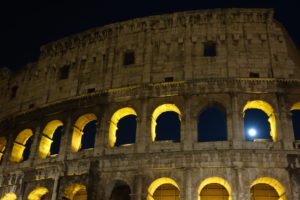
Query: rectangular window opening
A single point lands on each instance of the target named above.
(64, 72)
(209, 49)
(91, 90)
(169, 79)
(129, 58)
(13, 93)
(253, 75)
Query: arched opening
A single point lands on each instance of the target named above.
(295, 110)
(163, 189)
(84, 132)
(21, 146)
(212, 125)
(214, 191)
(120, 191)
(39, 193)
(50, 140)
(75, 191)
(9, 196)
(267, 188)
(122, 129)
(214, 188)
(165, 123)
(259, 121)
(3, 143)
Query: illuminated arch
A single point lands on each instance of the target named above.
(3, 143)
(273, 183)
(158, 111)
(217, 180)
(267, 108)
(9, 196)
(46, 140)
(19, 145)
(113, 127)
(296, 106)
(158, 182)
(81, 122)
(37, 193)
(72, 191)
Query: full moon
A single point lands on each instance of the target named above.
(252, 132)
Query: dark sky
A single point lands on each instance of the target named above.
(26, 26)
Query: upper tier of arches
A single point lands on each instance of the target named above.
(211, 126)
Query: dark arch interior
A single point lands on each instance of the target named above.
(89, 134)
(212, 125)
(120, 192)
(296, 123)
(26, 151)
(126, 130)
(214, 191)
(258, 120)
(263, 191)
(168, 127)
(55, 146)
(166, 192)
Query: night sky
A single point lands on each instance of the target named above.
(26, 26)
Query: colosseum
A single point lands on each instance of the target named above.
(82, 121)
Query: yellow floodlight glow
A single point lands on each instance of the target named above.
(158, 182)
(81, 122)
(296, 106)
(158, 111)
(71, 191)
(273, 183)
(19, 145)
(266, 108)
(9, 196)
(3, 143)
(46, 139)
(38, 193)
(113, 127)
(217, 180)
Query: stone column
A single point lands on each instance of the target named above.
(188, 185)
(143, 128)
(147, 59)
(55, 188)
(187, 135)
(237, 122)
(285, 131)
(35, 145)
(66, 138)
(137, 191)
(188, 65)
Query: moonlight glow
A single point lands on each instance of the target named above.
(252, 132)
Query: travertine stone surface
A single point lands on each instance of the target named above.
(171, 45)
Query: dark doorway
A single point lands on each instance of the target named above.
(168, 127)
(212, 125)
(26, 151)
(89, 134)
(296, 123)
(121, 192)
(55, 146)
(126, 130)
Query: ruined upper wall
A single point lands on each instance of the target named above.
(248, 42)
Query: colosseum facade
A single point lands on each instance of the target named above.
(183, 63)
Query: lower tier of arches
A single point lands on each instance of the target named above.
(99, 181)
